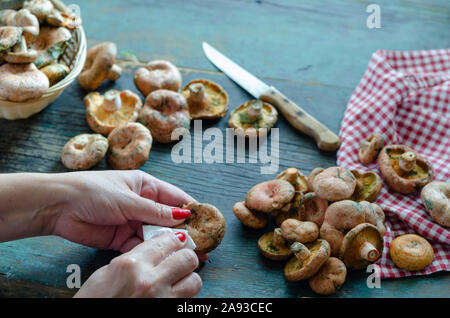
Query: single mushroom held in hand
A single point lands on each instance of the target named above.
(269, 196)
(84, 151)
(253, 118)
(206, 99)
(436, 199)
(272, 246)
(370, 148)
(300, 251)
(55, 72)
(129, 146)
(296, 269)
(9, 36)
(248, 218)
(361, 246)
(403, 170)
(329, 278)
(156, 75)
(29, 24)
(21, 54)
(296, 178)
(165, 112)
(106, 112)
(368, 186)
(313, 208)
(99, 66)
(312, 175)
(298, 231)
(40, 8)
(205, 225)
(21, 82)
(334, 184)
(411, 252)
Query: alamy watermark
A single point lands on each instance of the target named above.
(373, 21)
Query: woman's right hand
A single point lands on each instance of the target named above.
(159, 267)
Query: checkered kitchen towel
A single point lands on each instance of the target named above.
(405, 96)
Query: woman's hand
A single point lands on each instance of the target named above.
(160, 267)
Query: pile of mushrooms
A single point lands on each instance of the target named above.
(32, 40)
(327, 223)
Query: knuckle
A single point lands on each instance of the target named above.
(190, 257)
(125, 262)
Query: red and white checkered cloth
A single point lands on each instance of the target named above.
(405, 96)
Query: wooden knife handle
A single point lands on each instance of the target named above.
(326, 140)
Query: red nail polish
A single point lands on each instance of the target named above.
(179, 213)
(181, 236)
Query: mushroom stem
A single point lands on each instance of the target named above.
(300, 251)
(114, 73)
(369, 252)
(278, 239)
(197, 93)
(112, 101)
(255, 110)
(21, 46)
(407, 161)
(291, 174)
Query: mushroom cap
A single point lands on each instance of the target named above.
(312, 175)
(103, 120)
(254, 220)
(158, 74)
(399, 180)
(9, 36)
(64, 19)
(296, 178)
(411, 252)
(20, 54)
(313, 208)
(355, 240)
(269, 196)
(269, 250)
(7, 17)
(329, 278)
(129, 146)
(436, 199)
(100, 60)
(294, 212)
(164, 113)
(244, 125)
(49, 36)
(299, 231)
(370, 148)
(39, 8)
(205, 225)
(368, 186)
(21, 82)
(55, 72)
(29, 24)
(296, 270)
(215, 104)
(334, 184)
(84, 151)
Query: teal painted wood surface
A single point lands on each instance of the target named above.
(315, 53)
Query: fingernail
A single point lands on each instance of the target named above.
(179, 213)
(181, 236)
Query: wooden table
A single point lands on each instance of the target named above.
(315, 52)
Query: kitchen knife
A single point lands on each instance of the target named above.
(326, 140)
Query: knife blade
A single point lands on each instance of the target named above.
(326, 140)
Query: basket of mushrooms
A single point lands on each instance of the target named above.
(42, 50)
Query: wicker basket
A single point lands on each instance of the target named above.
(74, 57)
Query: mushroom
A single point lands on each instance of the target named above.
(343, 216)
(253, 118)
(361, 246)
(9, 36)
(334, 184)
(164, 113)
(84, 151)
(312, 175)
(269, 196)
(29, 24)
(65, 19)
(271, 250)
(21, 82)
(156, 75)
(205, 225)
(368, 186)
(436, 199)
(313, 208)
(300, 251)
(99, 66)
(403, 170)
(129, 146)
(296, 178)
(106, 112)
(40, 8)
(296, 270)
(329, 278)
(206, 99)
(55, 72)
(370, 148)
(298, 231)
(248, 218)
(20, 54)
(411, 252)
(294, 212)
(50, 44)
(7, 17)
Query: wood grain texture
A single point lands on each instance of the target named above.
(315, 53)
